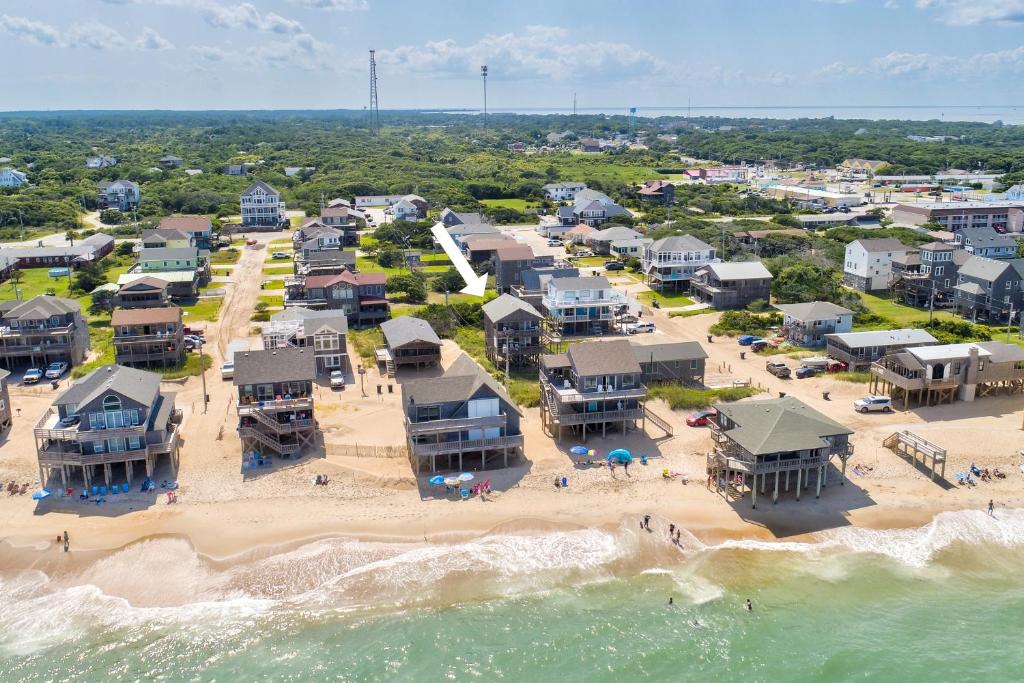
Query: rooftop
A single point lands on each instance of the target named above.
(739, 270)
(460, 382)
(814, 310)
(505, 305)
(138, 385)
(778, 425)
(408, 329)
(145, 316)
(603, 358)
(905, 337)
(274, 365)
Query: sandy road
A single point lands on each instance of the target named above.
(242, 290)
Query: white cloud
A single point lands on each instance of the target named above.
(547, 52)
(29, 30)
(975, 12)
(245, 15)
(208, 53)
(927, 65)
(95, 35)
(151, 40)
(335, 5)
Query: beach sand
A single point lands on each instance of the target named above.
(224, 512)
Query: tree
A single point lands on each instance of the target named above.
(409, 284)
(388, 256)
(448, 281)
(102, 302)
(124, 249)
(111, 216)
(16, 277)
(89, 277)
(71, 236)
(805, 282)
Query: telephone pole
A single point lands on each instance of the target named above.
(483, 75)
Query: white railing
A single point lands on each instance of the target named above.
(473, 445)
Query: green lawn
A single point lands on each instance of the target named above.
(900, 314)
(272, 300)
(101, 338)
(284, 270)
(520, 205)
(273, 284)
(203, 310)
(667, 300)
(280, 261)
(591, 261)
(285, 240)
(225, 256)
(220, 272)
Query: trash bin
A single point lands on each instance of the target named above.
(782, 394)
(824, 395)
(743, 355)
(379, 392)
(391, 388)
(709, 339)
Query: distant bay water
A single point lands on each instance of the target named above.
(1008, 114)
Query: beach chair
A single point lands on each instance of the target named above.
(103, 490)
(643, 459)
(464, 493)
(95, 490)
(124, 487)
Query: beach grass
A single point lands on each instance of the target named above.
(855, 377)
(687, 314)
(225, 256)
(273, 284)
(364, 342)
(523, 386)
(688, 398)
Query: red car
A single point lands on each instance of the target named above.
(701, 418)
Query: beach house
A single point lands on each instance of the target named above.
(592, 386)
(535, 283)
(200, 228)
(677, 362)
(10, 177)
(42, 330)
(104, 424)
(322, 332)
(511, 260)
(145, 292)
(657, 192)
(361, 296)
(463, 413)
(262, 208)
(735, 284)
(119, 194)
(758, 441)
(590, 207)
(860, 349)
(670, 263)
(926, 276)
(807, 324)
(166, 238)
(985, 241)
(560, 192)
(148, 337)
(944, 373)
(411, 207)
(867, 265)
(989, 289)
(601, 240)
(275, 400)
(583, 305)
(512, 331)
(409, 341)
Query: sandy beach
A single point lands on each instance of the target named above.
(224, 511)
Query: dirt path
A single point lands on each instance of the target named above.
(239, 301)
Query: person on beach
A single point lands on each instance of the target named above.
(749, 606)
(677, 536)
(991, 508)
(66, 539)
(670, 601)
(671, 531)
(646, 524)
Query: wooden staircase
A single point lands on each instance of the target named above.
(659, 422)
(269, 441)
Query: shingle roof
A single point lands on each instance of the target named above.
(346, 257)
(533, 279)
(603, 358)
(778, 425)
(680, 243)
(319, 281)
(261, 185)
(514, 252)
(169, 254)
(984, 268)
(406, 330)
(739, 270)
(275, 365)
(189, 222)
(505, 305)
(881, 244)
(663, 353)
(460, 382)
(165, 234)
(813, 310)
(145, 316)
(616, 232)
(39, 306)
(371, 278)
(903, 337)
(138, 385)
(578, 283)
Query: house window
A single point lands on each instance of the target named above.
(589, 382)
(693, 364)
(111, 403)
(627, 380)
(428, 413)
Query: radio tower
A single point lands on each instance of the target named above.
(374, 105)
(483, 74)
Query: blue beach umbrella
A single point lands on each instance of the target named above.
(579, 450)
(621, 455)
(39, 495)
(436, 480)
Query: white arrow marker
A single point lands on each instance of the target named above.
(475, 284)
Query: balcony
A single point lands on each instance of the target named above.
(566, 419)
(572, 395)
(11, 332)
(913, 380)
(48, 427)
(444, 448)
(248, 407)
(455, 424)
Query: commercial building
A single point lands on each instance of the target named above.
(1003, 217)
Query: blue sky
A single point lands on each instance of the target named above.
(276, 54)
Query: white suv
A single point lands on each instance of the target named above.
(873, 404)
(637, 328)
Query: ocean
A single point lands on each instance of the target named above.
(1008, 114)
(943, 602)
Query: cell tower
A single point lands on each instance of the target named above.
(374, 104)
(483, 75)
(632, 118)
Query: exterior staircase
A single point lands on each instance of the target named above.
(269, 441)
(658, 421)
(277, 427)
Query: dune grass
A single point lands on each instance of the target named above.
(688, 398)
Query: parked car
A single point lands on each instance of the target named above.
(637, 328)
(554, 243)
(31, 376)
(227, 370)
(844, 209)
(873, 404)
(701, 418)
(627, 318)
(279, 255)
(251, 243)
(748, 339)
(759, 345)
(780, 370)
(337, 379)
(582, 253)
(804, 371)
(193, 341)
(56, 369)
(614, 265)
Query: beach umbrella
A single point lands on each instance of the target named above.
(39, 495)
(436, 480)
(621, 455)
(451, 481)
(466, 476)
(579, 450)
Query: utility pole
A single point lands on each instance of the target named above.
(202, 371)
(574, 104)
(931, 304)
(483, 75)
(374, 104)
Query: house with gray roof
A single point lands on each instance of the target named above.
(867, 265)
(119, 194)
(735, 284)
(943, 373)
(590, 207)
(594, 385)
(262, 208)
(860, 349)
(512, 259)
(512, 331)
(926, 276)
(763, 443)
(583, 305)
(806, 324)
(42, 330)
(409, 341)
(89, 250)
(463, 413)
(10, 177)
(669, 263)
(535, 283)
(989, 289)
(322, 332)
(275, 400)
(677, 362)
(601, 240)
(985, 241)
(450, 218)
(104, 424)
(565, 191)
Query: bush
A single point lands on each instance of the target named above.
(411, 285)
(734, 323)
(111, 217)
(688, 398)
(124, 249)
(954, 331)
(448, 281)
